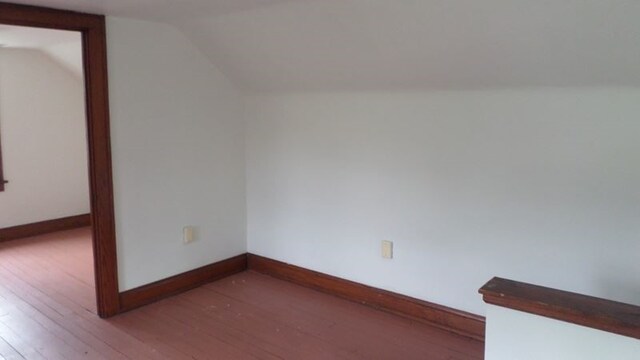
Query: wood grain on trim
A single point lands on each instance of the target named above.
(593, 312)
(159, 290)
(44, 227)
(94, 52)
(449, 319)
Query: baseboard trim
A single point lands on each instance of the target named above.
(159, 290)
(446, 318)
(449, 319)
(44, 227)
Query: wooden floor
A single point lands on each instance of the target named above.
(47, 311)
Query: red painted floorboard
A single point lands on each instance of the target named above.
(47, 311)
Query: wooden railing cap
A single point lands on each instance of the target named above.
(597, 313)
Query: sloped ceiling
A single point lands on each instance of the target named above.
(63, 47)
(298, 45)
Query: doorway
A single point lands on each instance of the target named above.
(93, 35)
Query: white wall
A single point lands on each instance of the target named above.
(44, 146)
(515, 335)
(178, 153)
(537, 185)
(67, 54)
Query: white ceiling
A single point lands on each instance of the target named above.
(28, 37)
(63, 47)
(301, 45)
(159, 10)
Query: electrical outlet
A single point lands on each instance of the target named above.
(387, 249)
(188, 234)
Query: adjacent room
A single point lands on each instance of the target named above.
(44, 152)
(320, 179)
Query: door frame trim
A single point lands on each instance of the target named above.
(94, 51)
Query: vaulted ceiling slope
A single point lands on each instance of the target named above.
(63, 47)
(302, 45)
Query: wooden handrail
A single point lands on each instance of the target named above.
(593, 312)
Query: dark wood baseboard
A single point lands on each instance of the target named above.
(158, 290)
(449, 319)
(44, 227)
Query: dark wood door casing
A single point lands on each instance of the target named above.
(94, 50)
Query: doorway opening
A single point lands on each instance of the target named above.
(91, 31)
